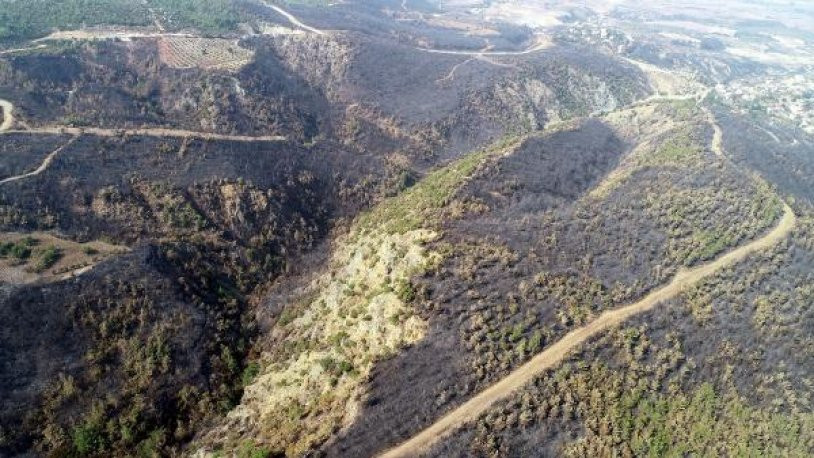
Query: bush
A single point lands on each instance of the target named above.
(251, 372)
(249, 450)
(47, 258)
(404, 290)
(87, 439)
(19, 251)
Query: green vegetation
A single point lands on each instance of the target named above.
(18, 251)
(635, 406)
(699, 423)
(24, 19)
(679, 148)
(653, 389)
(418, 207)
(211, 16)
(47, 257)
(250, 450)
(87, 439)
(703, 222)
(251, 372)
(405, 292)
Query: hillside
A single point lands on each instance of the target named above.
(405, 228)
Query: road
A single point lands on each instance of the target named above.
(8, 122)
(76, 132)
(101, 34)
(718, 135)
(540, 46)
(31, 48)
(293, 19)
(557, 352)
(43, 167)
(148, 132)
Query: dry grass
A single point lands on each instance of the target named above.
(72, 258)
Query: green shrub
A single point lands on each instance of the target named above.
(250, 373)
(249, 450)
(47, 258)
(87, 439)
(23, 19)
(404, 290)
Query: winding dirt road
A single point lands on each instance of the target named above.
(556, 353)
(43, 167)
(718, 135)
(149, 132)
(293, 19)
(540, 46)
(16, 50)
(8, 122)
(101, 35)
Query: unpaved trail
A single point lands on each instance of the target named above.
(540, 46)
(148, 132)
(31, 48)
(293, 19)
(718, 135)
(555, 354)
(8, 121)
(451, 75)
(8, 115)
(43, 167)
(103, 34)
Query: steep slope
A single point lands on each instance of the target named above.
(659, 384)
(327, 338)
(532, 256)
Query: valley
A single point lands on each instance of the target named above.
(260, 228)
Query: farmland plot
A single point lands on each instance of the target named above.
(206, 53)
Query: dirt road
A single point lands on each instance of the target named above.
(718, 136)
(293, 19)
(552, 356)
(8, 115)
(16, 50)
(102, 34)
(8, 122)
(540, 46)
(43, 167)
(149, 132)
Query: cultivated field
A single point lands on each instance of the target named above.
(206, 53)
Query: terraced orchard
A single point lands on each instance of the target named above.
(205, 53)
